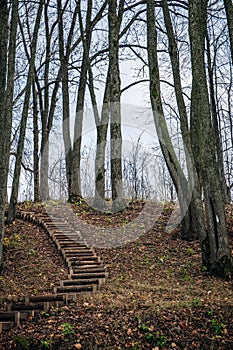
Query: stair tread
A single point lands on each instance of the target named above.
(73, 289)
(80, 281)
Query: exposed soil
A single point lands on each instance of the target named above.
(157, 295)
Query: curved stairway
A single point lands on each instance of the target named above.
(86, 273)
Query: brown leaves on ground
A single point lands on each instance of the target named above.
(157, 296)
(31, 263)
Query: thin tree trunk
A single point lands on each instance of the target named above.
(36, 147)
(229, 12)
(7, 70)
(102, 128)
(102, 121)
(176, 173)
(217, 133)
(19, 155)
(118, 202)
(65, 97)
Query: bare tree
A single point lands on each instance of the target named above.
(7, 70)
(229, 13)
(172, 162)
(18, 162)
(114, 20)
(215, 244)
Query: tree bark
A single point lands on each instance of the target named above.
(23, 123)
(176, 173)
(215, 123)
(114, 21)
(7, 71)
(229, 12)
(65, 96)
(102, 128)
(215, 245)
(36, 147)
(190, 226)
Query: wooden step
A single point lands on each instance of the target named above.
(64, 236)
(84, 259)
(7, 316)
(90, 269)
(6, 326)
(75, 289)
(44, 298)
(68, 250)
(79, 246)
(26, 307)
(79, 252)
(10, 316)
(85, 266)
(88, 275)
(69, 243)
(76, 256)
(79, 282)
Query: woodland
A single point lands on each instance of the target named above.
(121, 111)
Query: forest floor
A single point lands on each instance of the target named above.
(157, 295)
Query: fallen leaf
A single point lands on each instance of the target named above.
(78, 346)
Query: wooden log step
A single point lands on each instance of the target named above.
(67, 250)
(88, 275)
(63, 236)
(79, 282)
(66, 239)
(76, 256)
(85, 266)
(68, 243)
(90, 263)
(75, 289)
(47, 221)
(74, 270)
(79, 245)
(59, 224)
(78, 252)
(9, 319)
(7, 316)
(79, 259)
(84, 259)
(85, 271)
(25, 307)
(44, 298)
(6, 326)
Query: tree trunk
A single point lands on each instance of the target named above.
(44, 164)
(19, 155)
(7, 70)
(218, 258)
(102, 129)
(217, 132)
(36, 147)
(190, 227)
(65, 97)
(229, 12)
(182, 186)
(118, 202)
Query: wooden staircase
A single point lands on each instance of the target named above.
(86, 272)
